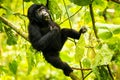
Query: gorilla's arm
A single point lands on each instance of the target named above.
(73, 33)
(38, 41)
(70, 33)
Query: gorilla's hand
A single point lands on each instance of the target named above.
(83, 30)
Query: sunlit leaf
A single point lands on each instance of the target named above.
(103, 55)
(81, 2)
(98, 4)
(54, 9)
(80, 49)
(13, 67)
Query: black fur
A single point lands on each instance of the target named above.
(46, 36)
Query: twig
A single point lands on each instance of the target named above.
(8, 23)
(68, 17)
(67, 14)
(93, 21)
(82, 71)
(88, 74)
(81, 68)
(71, 16)
(104, 13)
(47, 4)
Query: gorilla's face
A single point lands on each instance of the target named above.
(38, 13)
(42, 13)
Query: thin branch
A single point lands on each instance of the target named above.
(68, 17)
(88, 74)
(67, 14)
(81, 68)
(93, 21)
(71, 16)
(82, 71)
(104, 13)
(47, 4)
(8, 23)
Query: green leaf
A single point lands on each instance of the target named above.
(103, 55)
(116, 31)
(80, 49)
(104, 34)
(114, 43)
(13, 67)
(12, 40)
(86, 63)
(82, 2)
(55, 9)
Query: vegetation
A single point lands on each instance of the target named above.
(95, 56)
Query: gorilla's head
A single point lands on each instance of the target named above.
(38, 13)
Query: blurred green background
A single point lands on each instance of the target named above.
(92, 57)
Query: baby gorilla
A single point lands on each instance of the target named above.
(46, 36)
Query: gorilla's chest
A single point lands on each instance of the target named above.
(44, 30)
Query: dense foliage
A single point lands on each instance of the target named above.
(96, 56)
